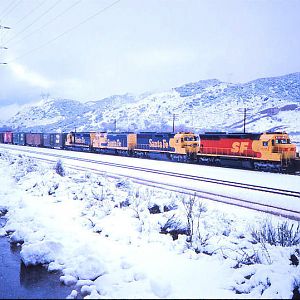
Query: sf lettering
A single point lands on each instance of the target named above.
(239, 147)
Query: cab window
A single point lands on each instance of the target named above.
(265, 144)
(281, 141)
(284, 141)
(190, 138)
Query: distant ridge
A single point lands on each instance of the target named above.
(272, 103)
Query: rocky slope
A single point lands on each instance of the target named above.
(207, 105)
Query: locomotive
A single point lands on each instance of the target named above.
(268, 151)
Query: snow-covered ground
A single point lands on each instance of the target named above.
(117, 239)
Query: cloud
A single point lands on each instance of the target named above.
(160, 57)
(30, 77)
(9, 111)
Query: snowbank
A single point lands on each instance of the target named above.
(116, 239)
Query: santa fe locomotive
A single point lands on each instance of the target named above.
(269, 151)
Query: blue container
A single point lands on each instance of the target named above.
(82, 138)
(80, 141)
(155, 141)
(53, 140)
(47, 140)
(117, 140)
(19, 138)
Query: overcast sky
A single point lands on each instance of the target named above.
(90, 49)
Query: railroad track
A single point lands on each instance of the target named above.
(236, 201)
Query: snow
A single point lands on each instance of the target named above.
(208, 105)
(99, 232)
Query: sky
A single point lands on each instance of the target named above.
(98, 230)
(87, 50)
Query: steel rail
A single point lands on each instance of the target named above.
(248, 204)
(234, 201)
(183, 176)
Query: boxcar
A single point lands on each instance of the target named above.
(7, 137)
(19, 138)
(34, 139)
(53, 140)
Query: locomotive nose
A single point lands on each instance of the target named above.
(289, 152)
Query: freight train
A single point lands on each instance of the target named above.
(268, 151)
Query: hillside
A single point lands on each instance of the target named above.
(271, 104)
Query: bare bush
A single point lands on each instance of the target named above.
(284, 234)
(197, 237)
(243, 257)
(59, 168)
(139, 202)
(189, 209)
(174, 227)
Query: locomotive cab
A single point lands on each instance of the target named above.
(277, 146)
(70, 139)
(186, 143)
(282, 144)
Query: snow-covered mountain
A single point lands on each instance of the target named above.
(207, 105)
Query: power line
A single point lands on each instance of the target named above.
(49, 22)
(11, 8)
(30, 12)
(12, 2)
(7, 11)
(67, 31)
(40, 16)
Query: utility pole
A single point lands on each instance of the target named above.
(173, 123)
(245, 120)
(115, 125)
(174, 118)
